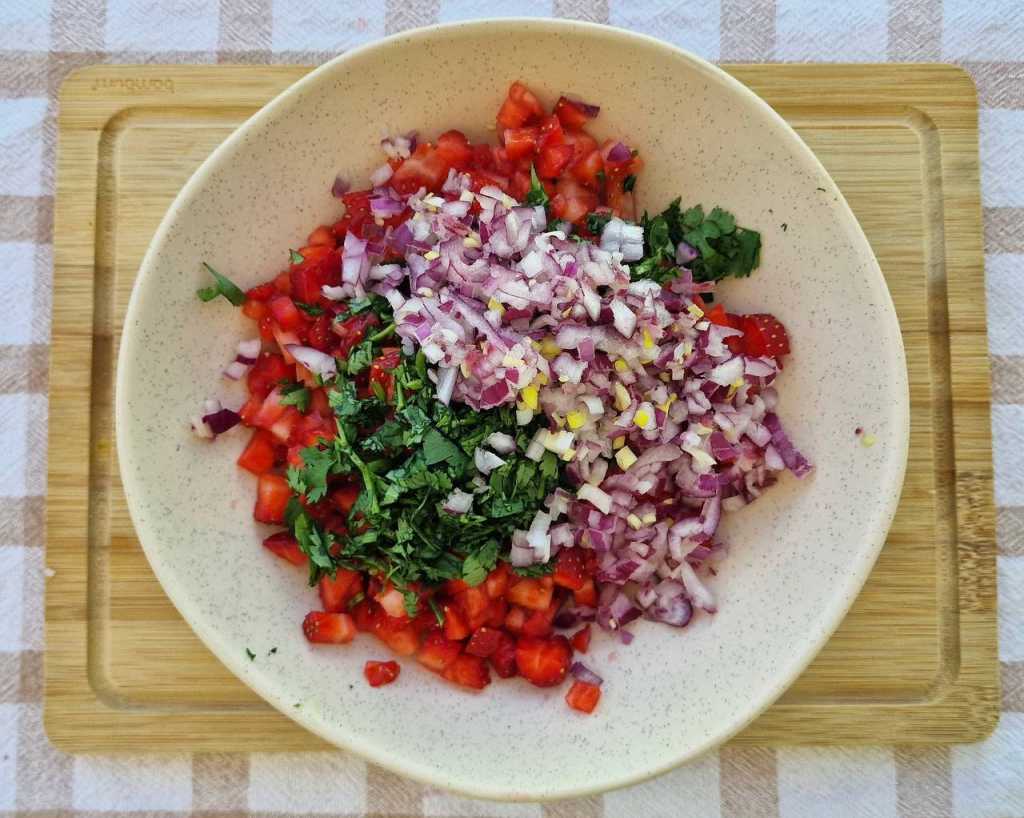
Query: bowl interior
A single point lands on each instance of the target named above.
(798, 556)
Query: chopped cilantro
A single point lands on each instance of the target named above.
(596, 222)
(222, 285)
(629, 183)
(360, 357)
(295, 257)
(601, 176)
(479, 564)
(537, 194)
(250, 654)
(309, 309)
(295, 394)
(723, 248)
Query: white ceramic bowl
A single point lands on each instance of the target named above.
(799, 555)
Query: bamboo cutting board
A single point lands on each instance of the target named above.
(914, 661)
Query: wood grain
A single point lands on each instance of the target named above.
(915, 659)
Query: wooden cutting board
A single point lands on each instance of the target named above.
(914, 661)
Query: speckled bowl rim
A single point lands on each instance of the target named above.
(876, 528)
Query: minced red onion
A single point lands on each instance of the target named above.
(317, 362)
(584, 674)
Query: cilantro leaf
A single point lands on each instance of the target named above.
(222, 285)
(360, 357)
(537, 195)
(629, 183)
(295, 257)
(309, 309)
(479, 564)
(295, 394)
(437, 448)
(596, 222)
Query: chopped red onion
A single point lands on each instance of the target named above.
(584, 674)
(458, 502)
(619, 153)
(340, 187)
(221, 420)
(317, 362)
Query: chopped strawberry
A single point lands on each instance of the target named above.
(468, 671)
(329, 628)
(569, 569)
(581, 639)
(544, 662)
(272, 494)
(259, 454)
(764, 336)
(484, 642)
(437, 652)
(503, 660)
(286, 547)
(583, 696)
(381, 673)
(335, 593)
(534, 594)
(455, 627)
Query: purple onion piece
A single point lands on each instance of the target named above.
(619, 153)
(219, 422)
(340, 187)
(584, 674)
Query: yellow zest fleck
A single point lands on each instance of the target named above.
(622, 399)
(621, 365)
(377, 220)
(701, 429)
(558, 419)
(648, 340)
(687, 349)
(569, 455)
(542, 379)
(619, 442)
(529, 396)
(431, 255)
(634, 522)
(625, 458)
(695, 311)
(650, 518)
(576, 419)
(472, 240)
(548, 348)
(496, 305)
(641, 418)
(465, 369)
(465, 196)
(664, 407)
(867, 441)
(665, 376)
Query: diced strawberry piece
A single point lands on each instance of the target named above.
(587, 595)
(286, 547)
(272, 494)
(364, 614)
(284, 426)
(403, 641)
(520, 142)
(569, 569)
(254, 309)
(497, 581)
(581, 639)
(270, 411)
(468, 671)
(437, 652)
(259, 454)
(551, 132)
(287, 316)
(392, 601)
(587, 168)
(534, 594)
(266, 373)
(455, 627)
(335, 593)
(496, 613)
(262, 292)
(484, 642)
(764, 336)
(572, 114)
(329, 628)
(475, 605)
(381, 673)
(455, 149)
(553, 160)
(515, 619)
(538, 623)
(503, 660)
(583, 696)
(543, 662)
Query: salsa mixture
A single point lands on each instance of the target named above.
(493, 412)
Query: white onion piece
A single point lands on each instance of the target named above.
(200, 428)
(623, 317)
(486, 461)
(538, 537)
(235, 370)
(501, 442)
(596, 497)
(381, 175)
(317, 362)
(458, 502)
(727, 373)
(446, 378)
(334, 293)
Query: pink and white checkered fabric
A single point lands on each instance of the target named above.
(42, 40)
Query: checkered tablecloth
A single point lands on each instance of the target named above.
(42, 40)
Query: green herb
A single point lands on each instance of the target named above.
(309, 309)
(375, 302)
(272, 651)
(537, 194)
(596, 222)
(541, 569)
(222, 285)
(295, 394)
(250, 654)
(409, 452)
(601, 176)
(295, 258)
(360, 357)
(629, 183)
(723, 248)
(438, 613)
